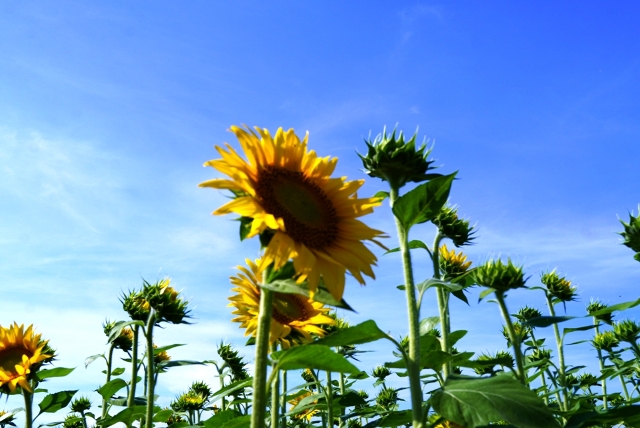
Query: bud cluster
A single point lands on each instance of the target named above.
(451, 226)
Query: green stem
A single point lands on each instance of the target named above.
(283, 399)
(413, 362)
(515, 340)
(28, 411)
(109, 364)
(443, 305)
(329, 394)
(84, 419)
(259, 400)
(150, 367)
(134, 367)
(275, 392)
(601, 360)
(561, 366)
(223, 404)
(341, 423)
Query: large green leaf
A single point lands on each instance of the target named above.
(546, 321)
(233, 387)
(126, 416)
(220, 418)
(57, 372)
(364, 332)
(412, 245)
(423, 203)
(56, 401)
(108, 389)
(475, 402)
(618, 307)
(313, 357)
(629, 415)
(322, 295)
(239, 422)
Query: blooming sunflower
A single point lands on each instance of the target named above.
(306, 413)
(284, 188)
(294, 317)
(20, 351)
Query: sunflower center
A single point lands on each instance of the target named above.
(10, 357)
(289, 307)
(308, 214)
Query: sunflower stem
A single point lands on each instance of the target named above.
(259, 400)
(150, 366)
(603, 382)
(329, 394)
(275, 393)
(109, 364)
(28, 411)
(443, 304)
(515, 341)
(413, 361)
(561, 366)
(283, 399)
(134, 367)
(341, 423)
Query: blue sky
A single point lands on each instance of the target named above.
(109, 109)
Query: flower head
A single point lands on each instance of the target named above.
(451, 226)
(502, 277)
(387, 398)
(559, 287)
(626, 331)
(80, 405)
(306, 413)
(286, 193)
(294, 317)
(631, 234)
(167, 302)
(124, 340)
(397, 161)
(605, 341)
(526, 313)
(234, 361)
(452, 265)
(21, 355)
(596, 306)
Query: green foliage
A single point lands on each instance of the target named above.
(313, 357)
(56, 401)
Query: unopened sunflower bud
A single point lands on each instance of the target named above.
(452, 265)
(7, 419)
(233, 360)
(631, 233)
(540, 354)
(72, 421)
(626, 331)
(80, 405)
(380, 372)
(309, 378)
(136, 306)
(188, 402)
(605, 341)
(201, 389)
(587, 380)
(526, 313)
(451, 226)
(392, 159)
(596, 306)
(124, 340)
(522, 332)
(499, 276)
(387, 398)
(559, 287)
(166, 301)
(161, 356)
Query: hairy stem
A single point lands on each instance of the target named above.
(561, 366)
(134, 367)
(515, 340)
(259, 400)
(150, 367)
(413, 362)
(28, 411)
(275, 393)
(109, 364)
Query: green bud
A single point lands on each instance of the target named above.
(380, 372)
(540, 354)
(526, 313)
(166, 301)
(201, 389)
(80, 405)
(626, 331)
(136, 306)
(559, 287)
(587, 380)
(188, 401)
(499, 276)
(596, 306)
(397, 161)
(569, 381)
(605, 341)
(234, 361)
(451, 226)
(72, 421)
(309, 378)
(174, 419)
(124, 340)
(631, 233)
(522, 332)
(387, 398)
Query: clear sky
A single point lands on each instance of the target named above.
(109, 109)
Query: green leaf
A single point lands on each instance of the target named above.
(178, 363)
(618, 307)
(460, 295)
(156, 351)
(239, 422)
(56, 401)
(351, 399)
(312, 356)
(423, 203)
(412, 245)
(382, 195)
(454, 336)
(108, 389)
(364, 332)
(393, 419)
(126, 416)
(91, 359)
(233, 387)
(546, 321)
(485, 293)
(162, 415)
(322, 295)
(117, 328)
(432, 282)
(571, 330)
(629, 415)
(57, 372)
(428, 324)
(220, 418)
(117, 371)
(474, 402)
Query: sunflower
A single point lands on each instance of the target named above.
(20, 354)
(306, 413)
(294, 318)
(287, 190)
